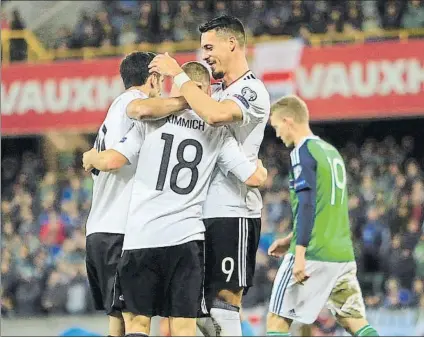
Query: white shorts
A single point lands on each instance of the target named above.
(330, 284)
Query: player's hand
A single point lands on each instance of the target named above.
(86, 159)
(165, 65)
(299, 271)
(279, 248)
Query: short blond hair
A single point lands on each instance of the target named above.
(292, 106)
(197, 72)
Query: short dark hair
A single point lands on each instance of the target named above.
(134, 68)
(227, 24)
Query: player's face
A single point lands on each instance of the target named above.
(215, 51)
(282, 129)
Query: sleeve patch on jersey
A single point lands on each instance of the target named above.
(300, 185)
(249, 94)
(297, 170)
(242, 100)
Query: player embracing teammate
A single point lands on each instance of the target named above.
(232, 210)
(320, 264)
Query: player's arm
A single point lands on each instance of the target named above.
(232, 159)
(107, 160)
(304, 169)
(155, 108)
(212, 112)
(233, 109)
(123, 153)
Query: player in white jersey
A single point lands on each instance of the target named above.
(111, 191)
(232, 211)
(161, 270)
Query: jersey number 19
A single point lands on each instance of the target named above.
(182, 163)
(338, 178)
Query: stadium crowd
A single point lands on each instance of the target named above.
(44, 213)
(123, 22)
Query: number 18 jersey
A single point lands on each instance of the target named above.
(317, 165)
(176, 161)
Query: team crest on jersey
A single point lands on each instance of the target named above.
(249, 94)
(296, 171)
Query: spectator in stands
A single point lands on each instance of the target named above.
(64, 39)
(54, 296)
(392, 294)
(274, 25)
(52, 232)
(392, 15)
(318, 18)
(105, 33)
(255, 19)
(336, 18)
(83, 32)
(165, 22)
(221, 8)
(354, 17)
(18, 47)
(185, 22)
(412, 236)
(414, 15)
(127, 36)
(417, 291)
(240, 9)
(375, 236)
(299, 15)
(144, 27)
(202, 14)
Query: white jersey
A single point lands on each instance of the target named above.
(227, 196)
(174, 170)
(112, 190)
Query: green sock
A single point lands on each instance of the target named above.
(278, 334)
(366, 331)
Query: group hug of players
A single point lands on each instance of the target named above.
(176, 212)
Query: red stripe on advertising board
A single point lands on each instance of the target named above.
(376, 80)
(340, 82)
(277, 76)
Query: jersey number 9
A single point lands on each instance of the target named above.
(182, 163)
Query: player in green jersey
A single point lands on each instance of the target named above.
(319, 268)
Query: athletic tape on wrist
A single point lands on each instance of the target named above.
(180, 79)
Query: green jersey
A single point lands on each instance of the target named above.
(317, 166)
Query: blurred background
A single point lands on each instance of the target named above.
(358, 64)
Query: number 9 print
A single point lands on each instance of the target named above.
(225, 270)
